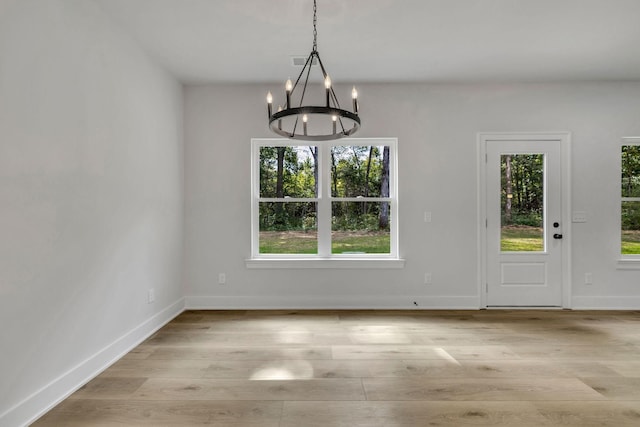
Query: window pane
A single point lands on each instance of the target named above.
(288, 228)
(360, 171)
(522, 186)
(288, 171)
(360, 227)
(630, 228)
(630, 171)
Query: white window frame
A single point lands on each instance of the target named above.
(324, 258)
(626, 261)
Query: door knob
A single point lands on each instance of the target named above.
(557, 236)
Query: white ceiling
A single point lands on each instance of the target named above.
(203, 41)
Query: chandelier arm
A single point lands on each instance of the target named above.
(324, 71)
(325, 74)
(304, 88)
(335, 98)
(306, 81)
(308, 63)
(342, 125)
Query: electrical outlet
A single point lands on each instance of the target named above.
(151, 296)
(427, 278)
(427, 216)
(588, 279)
(222, 279)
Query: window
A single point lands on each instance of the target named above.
(522, 202)
(630, 205)
(324, 200)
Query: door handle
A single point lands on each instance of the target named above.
(557, 236)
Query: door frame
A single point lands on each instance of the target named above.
(564, 138)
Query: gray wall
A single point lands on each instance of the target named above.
(91, 198)
(437, 128)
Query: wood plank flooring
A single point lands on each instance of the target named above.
(373, 369)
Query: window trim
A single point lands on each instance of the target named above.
(625, 261)
(324, 258)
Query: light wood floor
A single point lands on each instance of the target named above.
(372, 368)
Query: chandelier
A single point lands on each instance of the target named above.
(313, 122)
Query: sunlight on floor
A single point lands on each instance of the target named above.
(446, 356)
(298, 336)
(284, 370)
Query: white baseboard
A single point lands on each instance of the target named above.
(605, 303)
(36, 405)
(313, 302)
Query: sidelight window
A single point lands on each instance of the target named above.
(630, 197)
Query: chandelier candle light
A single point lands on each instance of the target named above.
(319, 122)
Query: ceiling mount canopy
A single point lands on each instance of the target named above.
(313, 122)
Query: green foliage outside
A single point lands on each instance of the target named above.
(359, 171)
(630, 210)
(522, 195)
(630, 179)
(355, 172)
(285, 173)
(522, 191)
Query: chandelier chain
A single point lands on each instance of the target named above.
(315, 29)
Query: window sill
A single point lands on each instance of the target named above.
(335, 263)
(628, 264)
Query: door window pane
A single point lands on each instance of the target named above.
(522, 202)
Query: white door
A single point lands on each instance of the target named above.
(523, 201)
